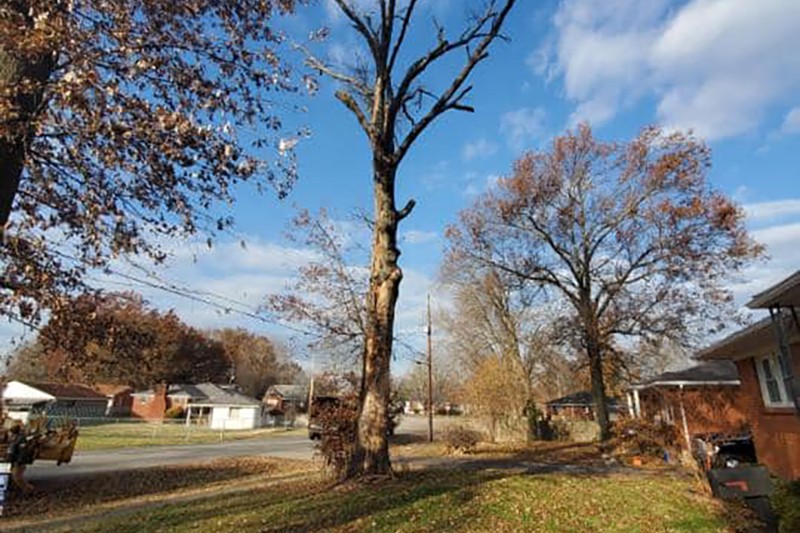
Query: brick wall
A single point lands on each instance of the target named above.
(151, 407)
(776, 431)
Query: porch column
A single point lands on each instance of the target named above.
(683, 420)
(637, 407)
(188, 414)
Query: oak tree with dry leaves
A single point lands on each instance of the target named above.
(122, 122)
(628, 237)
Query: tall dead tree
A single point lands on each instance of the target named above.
(394, 108)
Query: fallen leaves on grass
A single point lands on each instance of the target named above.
(83, 491)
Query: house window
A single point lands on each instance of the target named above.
(774, 379)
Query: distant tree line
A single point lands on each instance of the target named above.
(117, 338)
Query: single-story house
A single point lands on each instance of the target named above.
(767, 356)
(218, 406)
(119, 398)
(579, 406)
(283, 398)
(22, 399)
(701, 400)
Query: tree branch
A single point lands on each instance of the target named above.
(403, 213)
(351, 104)
(450, 98)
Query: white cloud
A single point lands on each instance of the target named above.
(478, 149)
(420, 237)
(783, 259)
(791, 122)
(715, 66)
(762, 211)
(522, 126)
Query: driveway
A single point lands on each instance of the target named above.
(93, 462)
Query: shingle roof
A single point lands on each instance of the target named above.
(287, 391)
(205, 394)
(785, 293)
(578, 399)
(721, 372)
(110, 389)
(67, 391)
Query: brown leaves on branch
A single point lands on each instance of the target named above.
(121, 122)
(629, 236)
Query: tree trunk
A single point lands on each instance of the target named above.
(598, 386)
(17, 128)
(372, 451)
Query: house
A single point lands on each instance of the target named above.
(700, 400)
(578, 406)
(283, 398)
(218, 406)
(23, 399)
(119, 399)
(767, 356)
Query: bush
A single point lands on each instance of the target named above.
(786, 503)
(644, 437)
(176, 411)
(461, 439)
(338, 422)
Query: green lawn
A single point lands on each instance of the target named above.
(446, 500)
(132, 434)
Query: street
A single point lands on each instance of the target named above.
(292, 446)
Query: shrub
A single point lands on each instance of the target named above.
(786, 503)
(461, 439)
(645, 437)
(338, 422)
(176, 411)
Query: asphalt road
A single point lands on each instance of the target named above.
(292, 446)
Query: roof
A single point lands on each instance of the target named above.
(721, 372)
(785, 293)
(287, 391)
(578, 399)
(205, 394)
(748, 341)
(110, 389)
(67, 391)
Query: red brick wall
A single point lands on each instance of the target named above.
(151, 407)
(776, 431)
(708, 409)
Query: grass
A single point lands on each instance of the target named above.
(441, 500)
(127, 435)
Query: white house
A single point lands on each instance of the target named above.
(218, 406)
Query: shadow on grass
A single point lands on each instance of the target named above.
(315, 507)
(78, 491)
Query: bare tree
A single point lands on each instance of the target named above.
(327, 296)
(384, 97)
(629, 236)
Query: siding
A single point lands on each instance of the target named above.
(776, 431)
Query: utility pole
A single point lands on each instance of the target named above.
(430, 375)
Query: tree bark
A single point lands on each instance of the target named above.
(18, 129)
(595, 355)
(372, 455)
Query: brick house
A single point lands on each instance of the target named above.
(284, 398)
(767, 356)
(700, 400)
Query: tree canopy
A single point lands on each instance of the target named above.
(123, 122)
(621, 240)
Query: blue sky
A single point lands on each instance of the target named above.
(728, 69)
